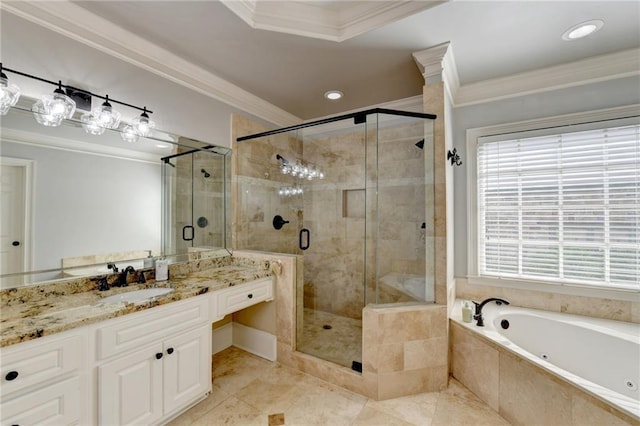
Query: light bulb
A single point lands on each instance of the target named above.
(129, 134)
(43, 117)
(91, 125)
(143, 124)
(106, 116)
(52, 109)
(9, 93)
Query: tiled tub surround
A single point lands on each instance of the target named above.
(525, 389)
(30, 312)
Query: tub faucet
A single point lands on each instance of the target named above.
(479, 306)
(125, 273)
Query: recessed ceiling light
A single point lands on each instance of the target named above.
(333, 95)
(583, 29)
(162, 145)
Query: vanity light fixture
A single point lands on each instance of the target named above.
(9, 93)
(582, 29)
(333, 95)
(50, 110)
(299, 169)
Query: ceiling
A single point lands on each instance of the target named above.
(373, 62)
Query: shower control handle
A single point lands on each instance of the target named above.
(304, 231)
(279, 222)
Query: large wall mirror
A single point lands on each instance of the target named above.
(72, 202)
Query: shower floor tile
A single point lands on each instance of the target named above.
(340, 344)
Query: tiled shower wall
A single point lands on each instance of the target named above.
(334, 208)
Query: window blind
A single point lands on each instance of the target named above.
(562, 207)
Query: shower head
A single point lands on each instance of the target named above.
(205, 173)
(420, 144)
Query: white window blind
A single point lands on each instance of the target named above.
(562, 208)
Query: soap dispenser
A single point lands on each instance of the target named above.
(467, 311)
(148, 261)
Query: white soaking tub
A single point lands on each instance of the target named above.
(599, 356)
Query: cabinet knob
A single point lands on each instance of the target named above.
(170, 351)
(11, 375)
(250, 295)
(159, 355)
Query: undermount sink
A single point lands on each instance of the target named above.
(136, 296)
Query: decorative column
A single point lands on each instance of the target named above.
(441, 81)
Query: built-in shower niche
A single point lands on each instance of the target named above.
(353, 203)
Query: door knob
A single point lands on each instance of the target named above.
(15, 243)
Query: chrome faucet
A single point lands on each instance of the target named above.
(479, 306)
(125, 273)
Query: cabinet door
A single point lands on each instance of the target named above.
(57, 404)
(130, 388)
(187, 368)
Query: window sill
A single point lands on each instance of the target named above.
(560, 288)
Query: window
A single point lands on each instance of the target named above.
(560, 206)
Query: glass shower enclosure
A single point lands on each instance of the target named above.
(196, 200)
(353, 197)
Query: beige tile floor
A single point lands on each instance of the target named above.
(248, 389)
(341, 344)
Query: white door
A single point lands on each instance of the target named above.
(130, 388)
(187, 368)
(14, 190)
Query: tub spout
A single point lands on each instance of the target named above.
(479, 306)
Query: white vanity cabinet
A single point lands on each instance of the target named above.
(153, 363)
(235, 298)
(44, 381)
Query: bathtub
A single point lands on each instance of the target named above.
(602, 357)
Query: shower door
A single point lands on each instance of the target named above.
(305, 192)
(332, 238)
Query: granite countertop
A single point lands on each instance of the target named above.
(35, 311)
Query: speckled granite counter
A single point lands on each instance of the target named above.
(30, 312)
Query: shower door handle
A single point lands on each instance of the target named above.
(304, 231)
(184, 232)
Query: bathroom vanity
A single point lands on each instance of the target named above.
(119, 363)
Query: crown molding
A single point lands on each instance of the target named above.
(437, 64)
(83, 26)
(324, 22)
(598, 68)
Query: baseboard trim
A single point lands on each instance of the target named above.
(252, 340)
